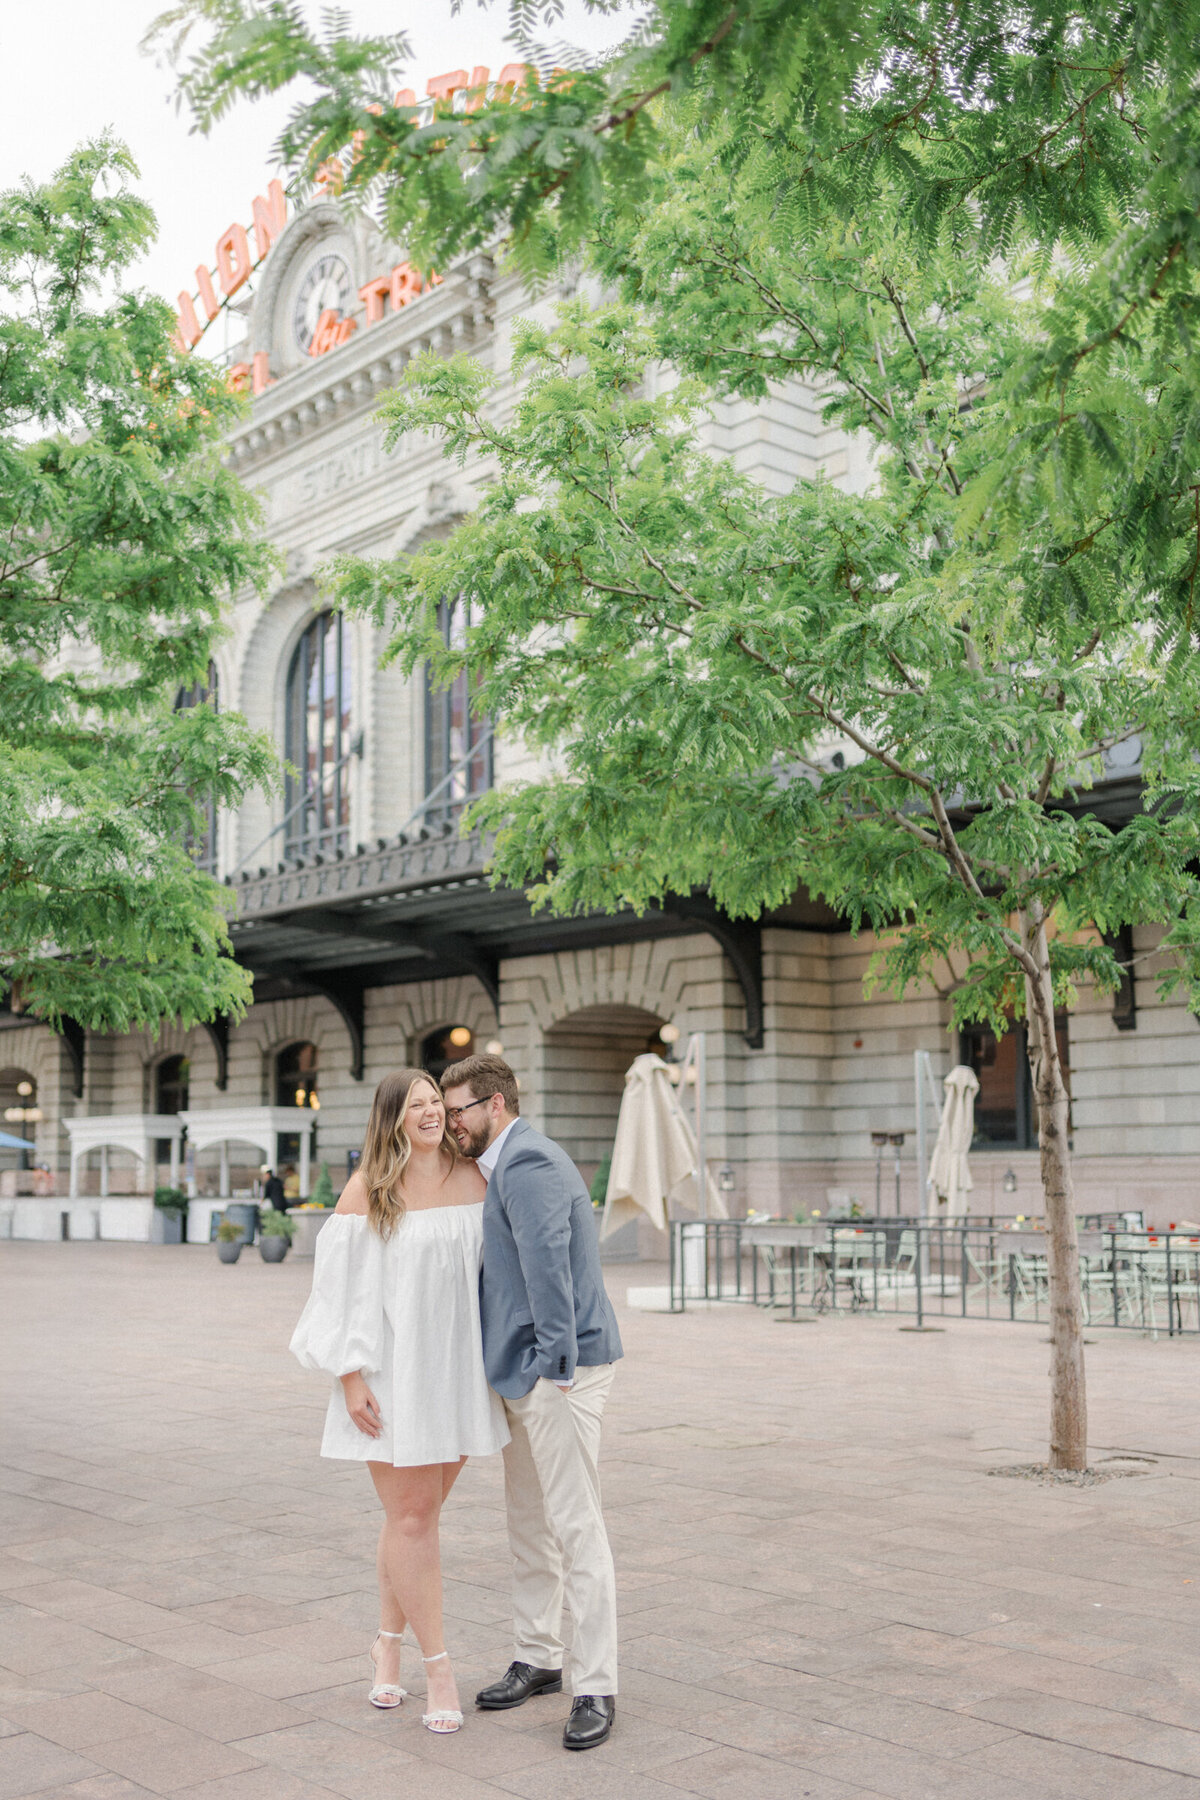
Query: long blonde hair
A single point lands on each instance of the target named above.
(387, 1148)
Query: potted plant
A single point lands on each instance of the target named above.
(275, 1233)
(230, 1238)
(599, 1187)
(172, 1203)
(322, 1193)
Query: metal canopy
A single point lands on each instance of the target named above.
(414, 910)
(410, 912)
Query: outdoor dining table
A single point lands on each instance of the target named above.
(778, 1235)
(849, 1247)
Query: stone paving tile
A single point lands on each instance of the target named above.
(257, 1784)
(590, 1777)
(904, 1774)
(77, 1720)
(343, 1761)
(280, 1676)
(197, 1646)
(1067, 1772)
(1096, 1728)
(97, 1787)
(31, 1641)
(732, 1774)
(822, 1593)
(244, 1614)
(28, 1764)
(168, 1756)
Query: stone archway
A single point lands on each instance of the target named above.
(585, 1057)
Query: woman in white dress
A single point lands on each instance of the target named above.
(394, 1315)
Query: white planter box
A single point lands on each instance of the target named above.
(126, 1221)
(199, 1217)
(308, 1225)
(38, 1221)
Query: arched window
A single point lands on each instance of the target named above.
(318, 739)
(296, 1076)
(203, 843)
(443, 1047)
(458, 743)
(295, 1085)
(171, 1085)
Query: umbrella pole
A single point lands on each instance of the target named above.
(922, 1146)
(923, 1082)
(702, 1121)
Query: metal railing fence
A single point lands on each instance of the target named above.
(1144, 1281)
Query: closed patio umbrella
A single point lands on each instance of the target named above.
(654, 1153)
(949, 1174)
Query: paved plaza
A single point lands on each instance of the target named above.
(825, 1595)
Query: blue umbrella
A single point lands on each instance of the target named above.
(9, 1142)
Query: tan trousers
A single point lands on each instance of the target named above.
(556, 1531)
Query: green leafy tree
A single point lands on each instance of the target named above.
(1011, 597)
(972, 232)
(121, 540)
(1048, 119)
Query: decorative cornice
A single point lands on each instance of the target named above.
(345, 381)
(393, 866)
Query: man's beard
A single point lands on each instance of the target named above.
(478, 1138)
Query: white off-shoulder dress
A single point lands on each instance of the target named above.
(404, 1312)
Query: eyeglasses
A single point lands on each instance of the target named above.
(455, 1113)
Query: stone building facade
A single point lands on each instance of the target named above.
(368, 918)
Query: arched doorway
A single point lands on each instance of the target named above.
(585, 1060)
(449, 1043)
(296, 1073)
(20, 1115)
(171, 1078)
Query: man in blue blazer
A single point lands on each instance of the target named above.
(550, 1340)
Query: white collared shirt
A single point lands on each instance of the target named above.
(488, 1159)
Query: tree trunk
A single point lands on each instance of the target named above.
(1068, 1388)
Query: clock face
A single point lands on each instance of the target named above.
(326, 284)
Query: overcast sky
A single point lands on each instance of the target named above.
(69, 68)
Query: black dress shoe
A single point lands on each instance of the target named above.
(590, 1722)
(516, 1685)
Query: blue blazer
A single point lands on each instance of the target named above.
(541, 1291)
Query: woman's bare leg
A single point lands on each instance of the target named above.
(408, 1563)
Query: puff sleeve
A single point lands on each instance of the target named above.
(341, 1328)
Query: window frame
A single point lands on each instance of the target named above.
(318, 799)
(448, 795)
(1025, 1110)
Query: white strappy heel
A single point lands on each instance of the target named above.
(385, 1694)
(444, 1719)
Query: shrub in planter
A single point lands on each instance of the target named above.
(322, 1193)
(230, 1238)
(172, 1203)
(599, 1187)
(275, 1233)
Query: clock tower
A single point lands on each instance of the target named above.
(315, 270)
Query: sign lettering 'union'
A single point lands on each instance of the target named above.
(268, 216)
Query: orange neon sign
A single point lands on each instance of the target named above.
(235, 262)
(402, 285)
